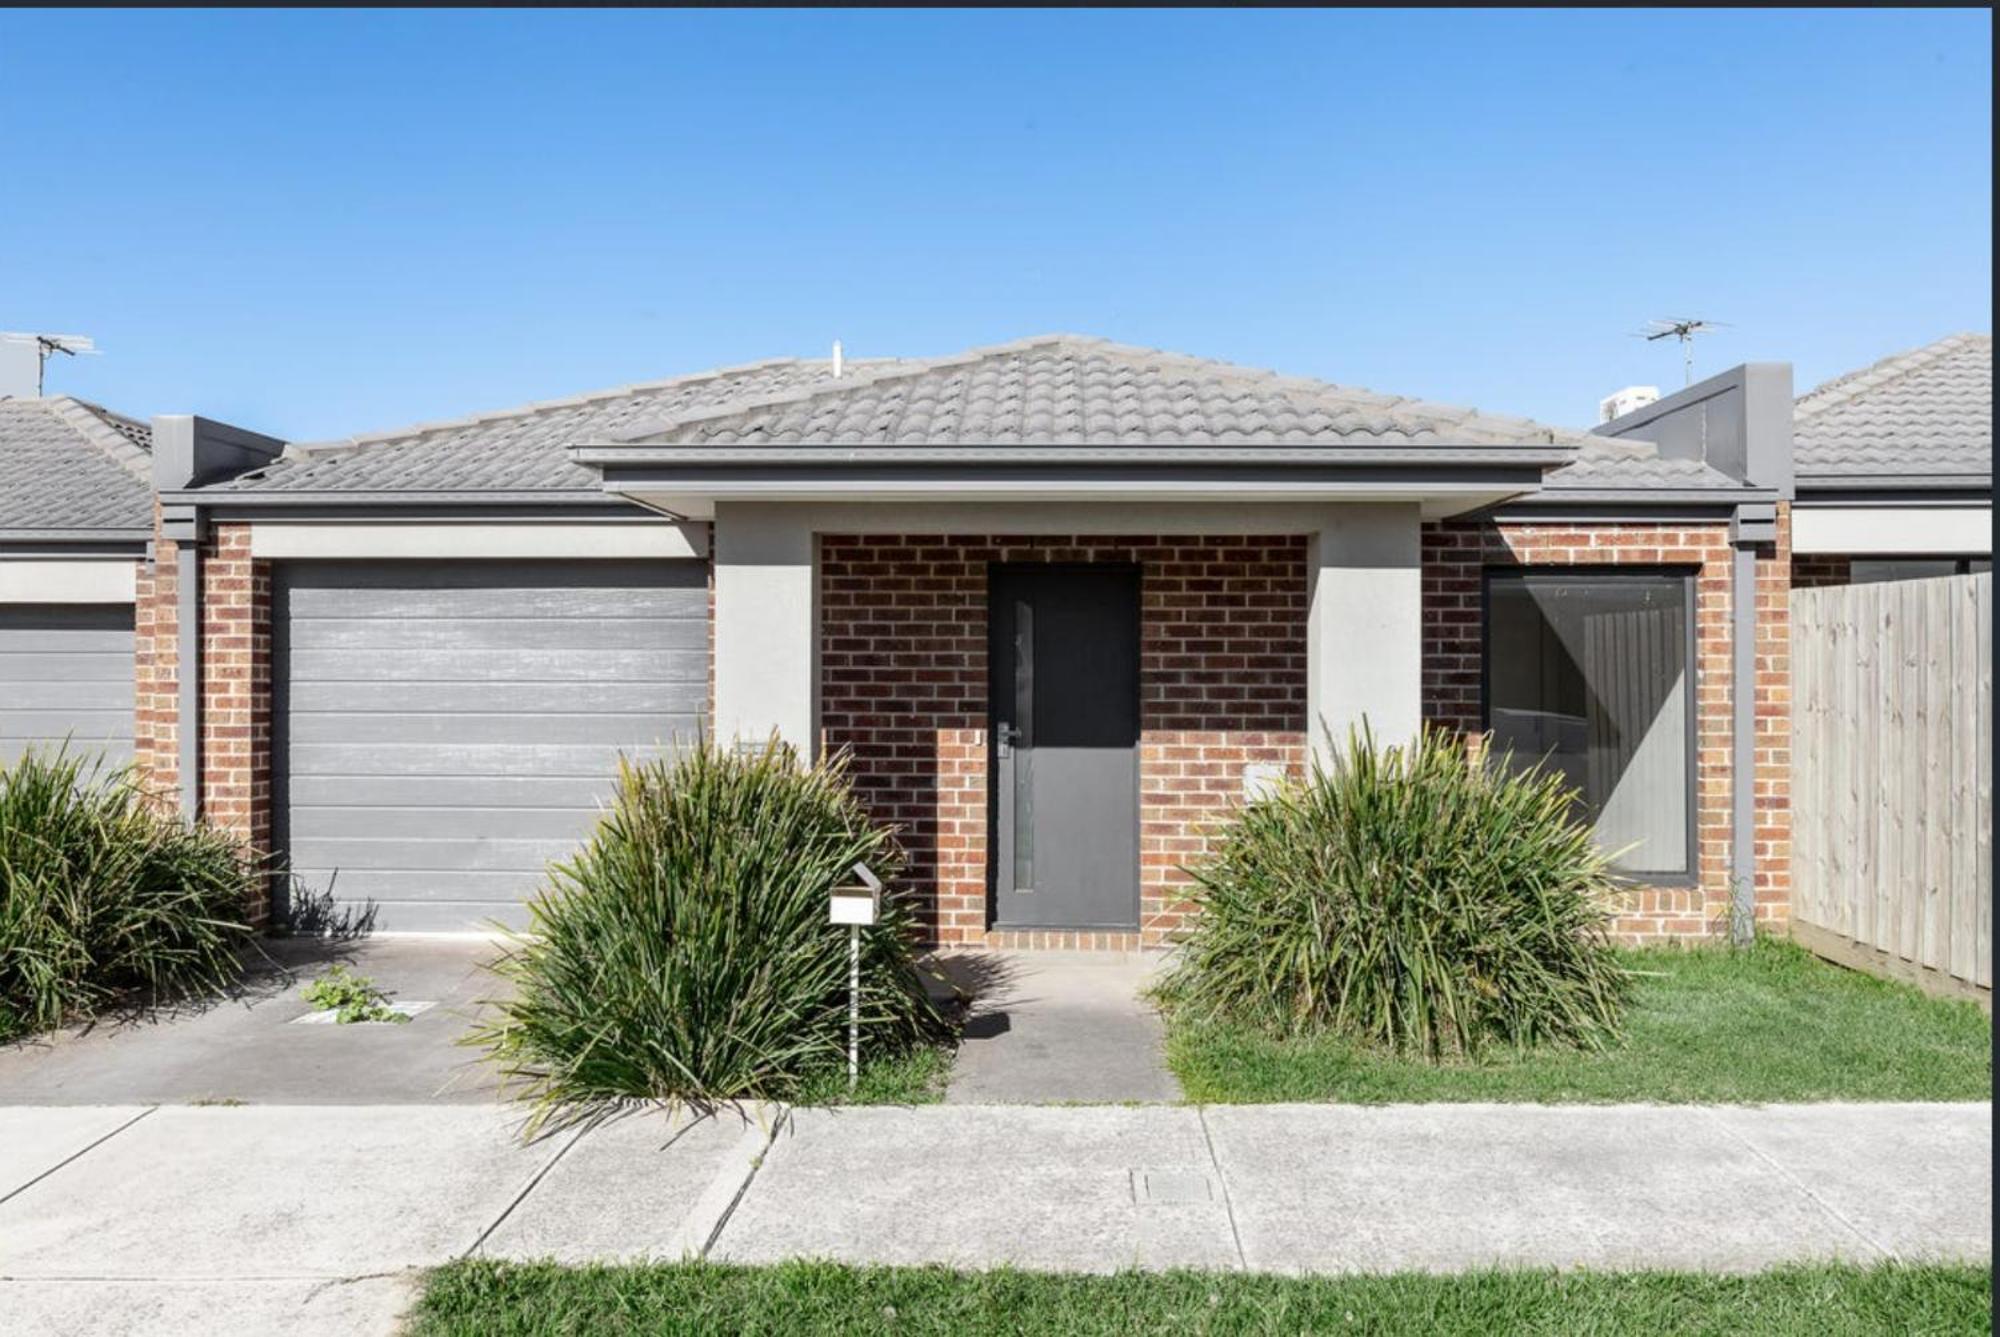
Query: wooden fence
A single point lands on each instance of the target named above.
(1892, 778)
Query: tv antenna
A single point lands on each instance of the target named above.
(69, 345)
(1684, 329)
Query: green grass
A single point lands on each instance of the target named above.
(1771, 1024)
(498, 1300)
(915, 1077)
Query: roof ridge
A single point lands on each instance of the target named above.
(1324, 393)
(1849, 386)
(89, 421)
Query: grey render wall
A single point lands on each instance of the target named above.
(1738, 421)
(189, 451)
(66, 671)
(441, 730)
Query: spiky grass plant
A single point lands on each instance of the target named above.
(105, 899)
(1414, 899)
(684, 953)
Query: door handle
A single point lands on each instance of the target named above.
(1007, 736)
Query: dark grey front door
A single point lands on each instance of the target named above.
(1065, 728)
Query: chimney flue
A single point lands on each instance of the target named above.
(836, 359)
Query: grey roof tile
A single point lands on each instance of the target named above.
(70, 465)
(1056, 389)
(522, 449)
(1063, 389)
(1924, 413)
(1608, 464)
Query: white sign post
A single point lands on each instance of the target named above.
(855, 906)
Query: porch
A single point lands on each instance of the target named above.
(1051, 783)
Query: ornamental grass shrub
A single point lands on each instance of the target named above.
(684, 953)
(106, 900)
(1412, 898)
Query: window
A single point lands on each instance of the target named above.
(1868, 570)
(1589, 674)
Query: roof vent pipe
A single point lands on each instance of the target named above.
(836, 359)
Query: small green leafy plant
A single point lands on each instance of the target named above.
(351, 998)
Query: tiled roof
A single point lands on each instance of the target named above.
(1619, 464)
(67, 465)
(1072, 390)
(516, 450)
(1924, 413)
(1058, 389)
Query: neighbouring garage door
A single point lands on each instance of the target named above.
(442, 730)
(66, 672)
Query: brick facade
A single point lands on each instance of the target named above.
(903, 680)
(1455, 556)
(903, 683)
(235, 689)
(1813, 570)
(156, 642)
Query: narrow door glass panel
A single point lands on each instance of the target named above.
(1024, 746)
(1588, 675)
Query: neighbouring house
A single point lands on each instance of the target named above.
(76, 521)
(1065, 602)
(1895, 468)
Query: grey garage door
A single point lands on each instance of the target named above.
(443, 730)
(66, 672)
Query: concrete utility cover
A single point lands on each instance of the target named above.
(1170, 1186)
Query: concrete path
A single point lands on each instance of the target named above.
(311, 1219)
(1055, 1027)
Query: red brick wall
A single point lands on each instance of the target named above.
(1813, 570)
(235, 689)
(903, 689)
(1456, 553)
(156, 736)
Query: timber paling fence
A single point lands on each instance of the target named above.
(1892, 778)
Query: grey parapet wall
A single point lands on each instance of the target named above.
(1738, 422)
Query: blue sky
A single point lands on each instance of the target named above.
(322, 223)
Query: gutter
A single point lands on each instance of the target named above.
(217, 497)
(1416, 457)
(1976, 484)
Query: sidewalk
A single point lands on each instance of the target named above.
(310, 1219)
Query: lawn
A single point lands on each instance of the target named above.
(915, 1077)
(496, 1299)
(1771, 1024)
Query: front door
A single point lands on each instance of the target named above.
(1065, 751)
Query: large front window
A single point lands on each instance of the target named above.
(1588, 673)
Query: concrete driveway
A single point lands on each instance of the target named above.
(250, 1047)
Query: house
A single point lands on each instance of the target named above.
(1064, 601)
(1895, 468)
(76, 519)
